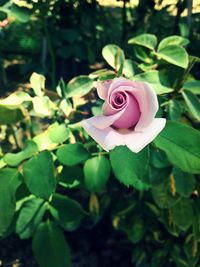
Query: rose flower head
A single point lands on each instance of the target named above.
(128, 115)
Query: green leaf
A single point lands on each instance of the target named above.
(72, 154)
(136, 230)
(174, 110)
(30, 216)
(71, 177)
(96, 173)
(173, 40)
(22, 14)
(147, 40)
(66, 211)
(175, 55)
(184, 182)
(79, 86)
(54, 135)
(182, 214)
(181, 145)
(42, 107)
(3, 15)
(14, 159)
(9, 182)
(39, 175)
(193, 103)
(135, 167)
(50, 247)
(192, 86)
(130, 68)
(156, 79)
(10, 114)
(162, 195)
(113, 55)
(38, 83)
(3, 2)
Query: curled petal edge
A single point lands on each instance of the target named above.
(109, 138)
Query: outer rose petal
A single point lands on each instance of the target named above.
(102, 89)
(106, 138)
(136, 141)
(148, 104)
(103, 122)
(109, 138)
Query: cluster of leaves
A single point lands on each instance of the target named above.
(54, 178)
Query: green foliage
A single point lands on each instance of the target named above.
(56, 251)
(61, 181)
(96, 173)
(135, 167)
(39, 175)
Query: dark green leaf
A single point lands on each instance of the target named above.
(96, 173)
(193, 103)
(22, 14)
(181, 143)
(135, 167)
(10, 114)
(192, 86)
(66, 211)
(182, 213)
(72, 154)
(30, 216)
(9, 182)
(50, 247)
(39, 175)
(162, 195)
(174, 110)
(184, 182)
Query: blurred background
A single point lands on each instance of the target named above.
(64, 38)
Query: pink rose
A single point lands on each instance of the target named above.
(128, 115)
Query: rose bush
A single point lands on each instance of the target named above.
(128, 115)
(55, 178)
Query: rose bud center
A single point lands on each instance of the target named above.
(131, 114)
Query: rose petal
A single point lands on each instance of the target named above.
(136, 141)
(102, 88)
(148, 104)
(102, 122)
(107, 138)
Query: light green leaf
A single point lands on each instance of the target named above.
(173, 40)
(37, 83)
(182, 213)
(184, 182)
(66, 211)
(147, 40)
(54, 135)
(30, 216)
(192, 86)
(129, 68)
(113, 55)
(193, 103)
(181, 144)
(175, 55)
(72, 154)
(156, 79)
(79, 86)
(39, 175)
(55, 252)
(10, 114)
(135, 167)
(96, 173)
(9, 182)
(14, 159)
